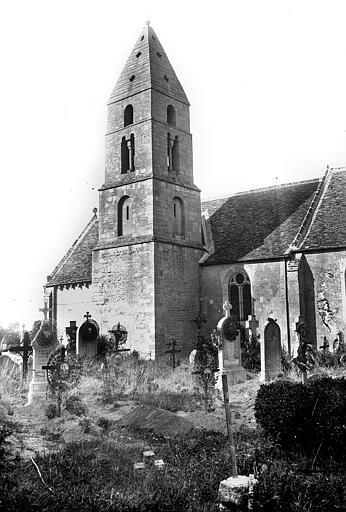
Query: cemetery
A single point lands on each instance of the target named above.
(90, 425)
(178, 365)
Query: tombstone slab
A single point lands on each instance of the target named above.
(271, 351)
(87, 335)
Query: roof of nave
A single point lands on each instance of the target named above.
(75, 267)
(148, 67)
(267, 223)
(328, 224)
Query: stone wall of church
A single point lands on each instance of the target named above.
(177, 296)
(72, 304)
(267, 287)
(141, 128)
(141, 212)
(163, 214)
(123, 291)
(329, 293)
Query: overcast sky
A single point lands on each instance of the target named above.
(266, 81)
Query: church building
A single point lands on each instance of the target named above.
(152, 257)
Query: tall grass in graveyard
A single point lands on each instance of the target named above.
(121, 378)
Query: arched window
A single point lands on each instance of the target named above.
(171, 117)
(128, 115)
(125, 157)
(178, 217)
(239, 295)
(128, 154)
(173, 156)
(124, 216)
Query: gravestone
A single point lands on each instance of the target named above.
(87, 335)
(229, 348)
(271, 351)
(71, 333)
(43, 344)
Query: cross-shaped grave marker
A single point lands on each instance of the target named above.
(24, 350)
(173, 351)
(45, 310)
(120, 335)
(252, 325)
(57, 374)
(87, 316)
(227, 308)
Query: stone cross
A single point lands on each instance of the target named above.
(252, 324)
(45, 310)
(87, 316)
(173, 351)
(227, 308)
(71, 330)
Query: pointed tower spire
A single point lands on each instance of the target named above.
(148, 67)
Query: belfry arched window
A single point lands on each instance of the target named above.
(124, 216)
(128, 154)
(171, 117)
(173, 156)
(178, 217)
(128, 115)
(239, 295)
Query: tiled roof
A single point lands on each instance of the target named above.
(328, 224)
(75, 266)
(259, 224)
(148, 67)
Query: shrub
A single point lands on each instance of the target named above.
(51, 411)
(311, 416)
(74, 405)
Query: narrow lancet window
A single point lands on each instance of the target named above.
(173, 158)
(124, 216)
(178, 217)
(171, 117)
(128, 154)
(128, 115)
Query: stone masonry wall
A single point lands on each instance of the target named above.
(267, 287)
(177, 296)
(72, 304)
(123, 291)
(329, 292)
(141, 217)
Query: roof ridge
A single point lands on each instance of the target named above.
(73, 247)
(262, 189)
(314, 208)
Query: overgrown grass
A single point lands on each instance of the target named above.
(98, 475)
(146, 382)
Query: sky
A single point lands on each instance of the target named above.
(266, 81)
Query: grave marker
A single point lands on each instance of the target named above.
(43, 344)
(87, 335)
(229, 348)
(271, 351)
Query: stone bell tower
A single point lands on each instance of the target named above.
(145, 268)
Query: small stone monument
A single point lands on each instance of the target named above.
(43, 344)
(229, 348)
(271, 351)
(87, 335)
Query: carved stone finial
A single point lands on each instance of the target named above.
(147, 23)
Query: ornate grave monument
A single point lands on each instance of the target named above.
(271, 351)
(229, 348)
(87, 335)
(43, 344)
